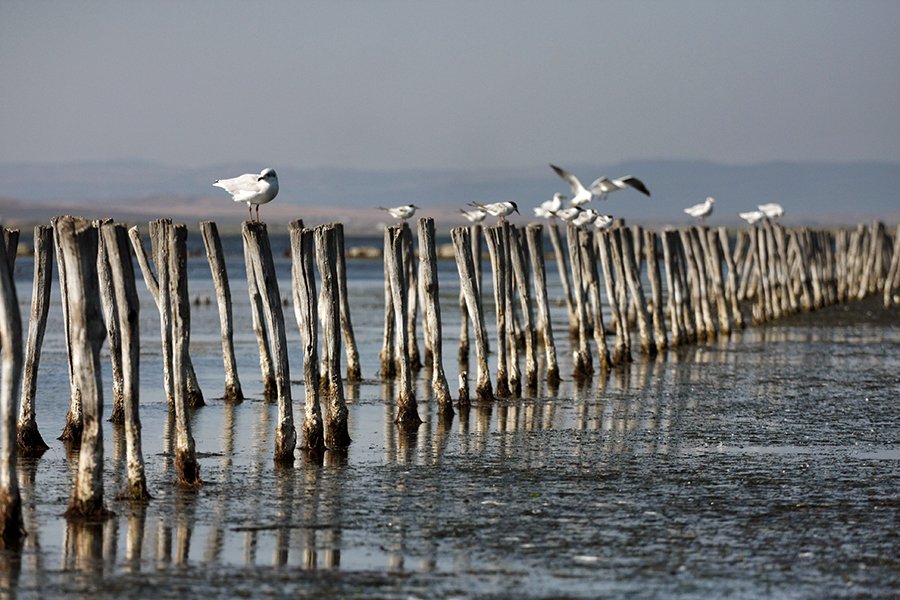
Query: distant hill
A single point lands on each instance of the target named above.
(812, 193)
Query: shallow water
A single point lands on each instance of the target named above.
(767, 464)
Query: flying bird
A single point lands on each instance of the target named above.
(580, 194)
(251, 188)
(498, 209)
(772, 210)
(752, 216)
(473, 216)
(604, 185)
(702, 210)
(401, 213)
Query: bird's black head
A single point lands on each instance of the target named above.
(515, 208)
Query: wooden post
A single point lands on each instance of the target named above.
(710, 247)
(562, 267)
(653, 275)
(303, 280)
(259, 251)
(195, 394)
(113, 334)
(11, 528)
(519, 264)
(74, 417)
(337, 434)
(636, 289)
(388, 344)
(29, 438)
(257, 311)
(173, 289)
(513, 327)
(354, 372)
(77, 248)
(620, 352)
(407, 411)
(731, 286)
(411, 277)
(114, 239)
(432, 312)
(216, 258)
(535, 238)
(466, 268)
(494, 236)
(673, 299)
(581, 356)
(892, 280)
(11, 241)
(592, 283)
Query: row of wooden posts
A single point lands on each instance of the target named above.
(708, 281)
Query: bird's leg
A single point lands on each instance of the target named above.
(257, 213)
(250, 210)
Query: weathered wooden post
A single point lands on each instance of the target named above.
(114, 239)
(636, 289)
(432, 311)
(216, 258)
(29, 438)
(731, 285)
(673, 288)
(520, 276)
(710, 248)
(407, 411)
(113, 335)
(354, 373)
(659, 322)
(513, 328)
(892, 280)
(411, 277)
(259, 252)
(337, 434)
(592, 283)
(535, 238)
(621, 351)
(173, 289)
(562, 267)
(11, 528)
(11, 240)
(77, 248)
(257, 312)
(581, 356)
(494, 236)
(303, 281)
(195, 394)
(466, 268)
(74, 426)
(388, 343)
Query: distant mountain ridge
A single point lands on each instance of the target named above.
(812, 192)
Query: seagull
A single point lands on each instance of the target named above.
(251, 188)
(585, 218)
(606, 186)
(474, 216)
(753, 216)
(580, 194)
(401, 213)
(772, 210)
(568, 214)
(498, 209)
(703, 210)
(603, 221)
(549, 208)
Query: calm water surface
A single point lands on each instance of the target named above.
(764, 465)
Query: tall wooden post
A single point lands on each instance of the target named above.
(29, 438)
(388, 343)
(494, 237)
(659, 322)
(407, 411)
(77, 248)
(466, 268)
(589, 273)
(354, 373)
(216, 258)
(432, 311)
(520, 276)
(581, 356)
(562, 267)
(534, 235)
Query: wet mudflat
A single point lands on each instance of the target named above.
(767, 464)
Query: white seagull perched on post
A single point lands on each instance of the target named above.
(771, 210)
(251, 188)
(603, 221)
(498, 209)
(473, 216)
(752, 216)
(585, 217)
(702, 210)
(549, 208)
(401, 213)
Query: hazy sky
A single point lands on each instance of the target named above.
(449, 84)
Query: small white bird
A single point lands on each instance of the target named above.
(549, 208)
(753, 216)
(703, 210)
(772, 210)
(401, 213)
(580, 194)
(473, 216)
(498, 209)
(585, 218)
(251, 188)
(540, 211)
(605, 186)
(603, 221)
(568, 214)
